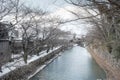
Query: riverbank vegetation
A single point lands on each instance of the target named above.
(103, 35)
(103, 16)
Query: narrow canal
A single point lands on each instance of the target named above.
(73, 64)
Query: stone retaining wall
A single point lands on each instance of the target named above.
(113, 73)
(23, 72)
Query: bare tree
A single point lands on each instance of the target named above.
(105, 30)
(7, 8)
(19, 17)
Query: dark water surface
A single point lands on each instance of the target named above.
(73, 64)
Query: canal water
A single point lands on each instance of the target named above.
(73, 64)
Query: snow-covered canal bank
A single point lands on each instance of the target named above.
(74, 64)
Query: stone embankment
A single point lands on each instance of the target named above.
(106, 61)
(22, 73)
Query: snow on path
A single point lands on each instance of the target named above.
(10, 66)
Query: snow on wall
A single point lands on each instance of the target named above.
(10, 66)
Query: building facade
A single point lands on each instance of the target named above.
(5, 53)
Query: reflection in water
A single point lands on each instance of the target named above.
(74, 64)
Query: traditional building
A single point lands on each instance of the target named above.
(4, 44)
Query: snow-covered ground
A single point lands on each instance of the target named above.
(10, 66)
(43, 66)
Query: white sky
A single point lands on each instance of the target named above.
(57, 8)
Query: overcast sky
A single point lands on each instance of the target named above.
(56, 7)
(47, 5)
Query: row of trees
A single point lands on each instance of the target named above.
(38, 31)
